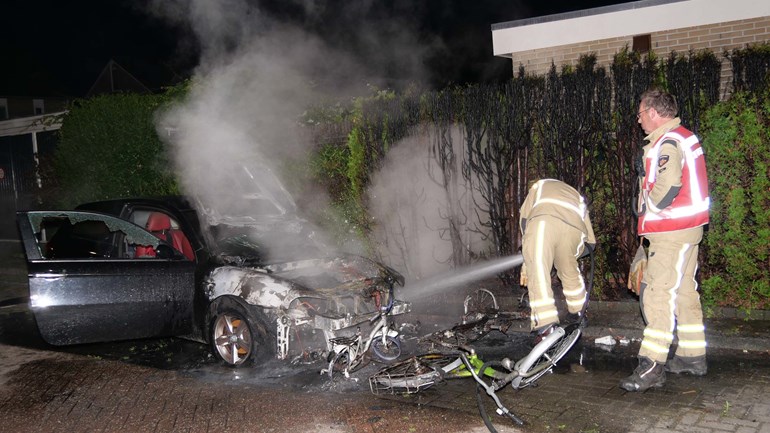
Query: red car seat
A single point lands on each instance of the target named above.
(158, 224)
(180, 242)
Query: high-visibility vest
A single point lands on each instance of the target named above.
(690, 207)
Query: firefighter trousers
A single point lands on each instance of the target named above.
(669, 297)
(547, 243)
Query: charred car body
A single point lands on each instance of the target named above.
(139, 268)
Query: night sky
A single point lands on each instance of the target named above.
(58, 48)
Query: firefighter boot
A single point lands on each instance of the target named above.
(695, 365)
(576, 318)
(647, 375)
(540, 334)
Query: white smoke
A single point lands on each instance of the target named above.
(411, 209)
(255, 80)
(257, 77)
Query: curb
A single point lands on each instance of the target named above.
(603, 316)
(714, 340)
(714, 313)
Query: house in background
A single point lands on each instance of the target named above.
(12, 107)
(662, 26)
(114, 78)
(29, 133)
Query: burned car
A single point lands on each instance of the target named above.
(138, 268)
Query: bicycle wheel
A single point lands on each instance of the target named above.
(339, 362)
(390, 350)
(544, 356)
(408, 376)
(480, 303)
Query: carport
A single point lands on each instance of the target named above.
(23, 142)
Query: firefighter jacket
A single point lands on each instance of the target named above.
(673, 192)
(557, 199)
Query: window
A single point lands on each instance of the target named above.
(39, 106)
(642, 44)
(81, 235)
(81, 240)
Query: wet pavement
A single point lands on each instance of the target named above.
(167, 385)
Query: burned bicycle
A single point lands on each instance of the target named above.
(421, 372)
(481, 315)
(349, 353)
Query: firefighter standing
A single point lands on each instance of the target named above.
(673, 207)
(556, 231)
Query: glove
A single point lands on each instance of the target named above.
(523, 276)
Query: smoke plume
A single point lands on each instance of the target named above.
(257, 76)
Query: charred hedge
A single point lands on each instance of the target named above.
(579, 125)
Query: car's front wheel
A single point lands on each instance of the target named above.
(237, 337)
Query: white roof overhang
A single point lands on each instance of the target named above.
(32, 124)
(628, 19)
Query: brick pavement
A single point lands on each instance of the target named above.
(731, 398)
(58, 392)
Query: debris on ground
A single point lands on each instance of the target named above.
(606, 343)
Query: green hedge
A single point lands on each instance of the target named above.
(109, 148)
(737, 142)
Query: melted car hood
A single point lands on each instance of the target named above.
(277, 285)
(336, 274)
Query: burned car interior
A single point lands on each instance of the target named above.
(84, 236)
(163, 227)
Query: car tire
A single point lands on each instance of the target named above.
(239, 336)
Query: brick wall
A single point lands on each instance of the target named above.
(715, 37)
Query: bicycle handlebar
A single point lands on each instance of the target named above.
(490, 390)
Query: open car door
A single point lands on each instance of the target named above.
(87, 285)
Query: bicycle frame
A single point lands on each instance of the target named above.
(468, 366)
(356, 348)
(351, 350)
(525, 371)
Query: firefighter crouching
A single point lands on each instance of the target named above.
(556, 231)
(673, 207)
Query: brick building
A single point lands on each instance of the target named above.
(662, 26)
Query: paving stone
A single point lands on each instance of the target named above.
(684, 428)
(63, 393)
(718, 426)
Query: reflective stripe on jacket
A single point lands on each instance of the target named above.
(690, 208)
(556, 198)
